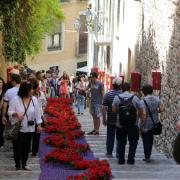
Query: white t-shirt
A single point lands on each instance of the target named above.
(33, 113)
(10, 94)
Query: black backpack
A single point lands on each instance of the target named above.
(127, 112)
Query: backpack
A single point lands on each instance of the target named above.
(127, 112)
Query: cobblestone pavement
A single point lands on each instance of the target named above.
(161, 168)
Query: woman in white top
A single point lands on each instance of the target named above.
(25, 108)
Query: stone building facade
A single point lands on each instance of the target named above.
(158, 46)
(64, 52)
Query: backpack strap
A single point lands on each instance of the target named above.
(129, 99)
(120, 98)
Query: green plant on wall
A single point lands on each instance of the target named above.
(24, 23)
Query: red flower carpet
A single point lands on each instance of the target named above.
(64, 153)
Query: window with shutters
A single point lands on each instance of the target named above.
(54, 40)
(83, 36)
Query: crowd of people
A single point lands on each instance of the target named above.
(127, 115)
(24, 97)
(23, 100)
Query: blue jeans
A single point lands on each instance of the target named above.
(111, 130)
(147, 144)
(80, 103)
(53, 92)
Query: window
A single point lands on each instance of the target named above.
(81, 64)
(83, 36)
(54, 41)
(123, 11)
(120, 67)
(108, 59)
(64, 0)
(118, 14)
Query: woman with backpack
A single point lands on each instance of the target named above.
(153, 106)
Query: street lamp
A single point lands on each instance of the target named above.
(89, 15)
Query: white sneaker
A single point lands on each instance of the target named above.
(26, 168)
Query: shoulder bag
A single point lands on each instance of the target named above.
(157, 127)
(12, 131)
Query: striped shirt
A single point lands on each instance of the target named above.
(107, 101)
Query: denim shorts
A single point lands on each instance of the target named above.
(96, 110)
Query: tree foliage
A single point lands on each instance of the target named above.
(24, 23)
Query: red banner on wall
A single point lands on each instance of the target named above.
(135, 81)
(156, 79)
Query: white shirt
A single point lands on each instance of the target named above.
(33, 113)
(10, 94)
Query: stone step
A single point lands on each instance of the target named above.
(140, 161)
(138, 155)
(142, 179)
(146, 175)
(104, 145)
(19, 175)
(10, 159)
(10, 167)
(144, 167)
(103, 150)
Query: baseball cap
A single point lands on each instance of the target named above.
(117, 81)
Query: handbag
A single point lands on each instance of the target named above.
(176, 149)
(157, 127)
(12, 131)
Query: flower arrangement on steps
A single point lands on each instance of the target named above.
(63, 129)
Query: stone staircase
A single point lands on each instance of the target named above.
(161, 168)
(7, 169)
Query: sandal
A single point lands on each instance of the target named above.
(96, 133)
(92, 132)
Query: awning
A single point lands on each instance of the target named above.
(83, 69)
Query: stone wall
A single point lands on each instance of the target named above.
(159, 47)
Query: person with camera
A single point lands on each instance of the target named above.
(24, 108)
(153, 106)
